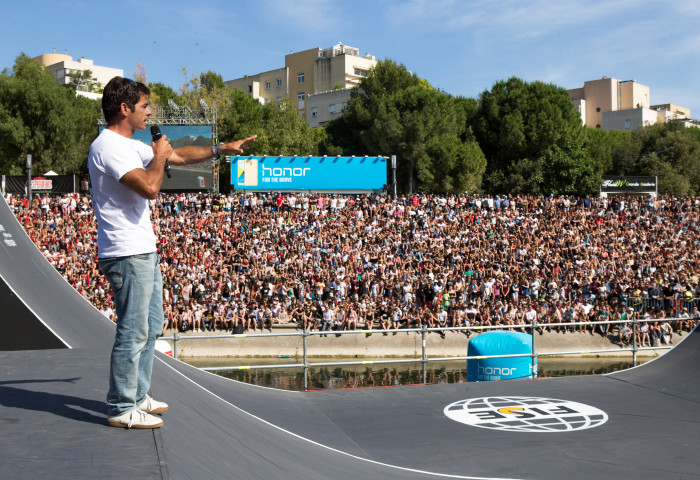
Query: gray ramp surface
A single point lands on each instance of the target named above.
(53, 425)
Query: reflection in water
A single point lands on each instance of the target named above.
(358, 376)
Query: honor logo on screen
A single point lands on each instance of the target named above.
(248, 173)
(526, 414)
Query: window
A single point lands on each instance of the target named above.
(360, 73)
(331, 109)
(597, 109)
(628, 124)
(250, 89)
(279, 82)
(300, 96)
(268, 85)
(314, 112)
(300, 77)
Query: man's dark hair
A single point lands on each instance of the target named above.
(121, 90)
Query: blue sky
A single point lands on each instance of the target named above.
(462, 47)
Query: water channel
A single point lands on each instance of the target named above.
(359, 376)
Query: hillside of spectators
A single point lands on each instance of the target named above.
(247, 262)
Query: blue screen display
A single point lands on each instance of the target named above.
(308, 173)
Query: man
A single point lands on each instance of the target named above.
(125, 174)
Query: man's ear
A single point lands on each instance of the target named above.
(125, 109)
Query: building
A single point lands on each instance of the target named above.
(318, 72)
(62, 65)
(323, 107)
(613, 104)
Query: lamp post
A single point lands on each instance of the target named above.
(393, 176)
(29, 179)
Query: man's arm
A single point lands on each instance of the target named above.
(147, 182)
(193, 155)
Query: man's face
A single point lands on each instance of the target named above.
(137, 118)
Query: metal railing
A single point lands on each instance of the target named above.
(424, 359)
(676, 306)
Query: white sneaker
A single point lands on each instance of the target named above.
(136, 418)
(149, 405)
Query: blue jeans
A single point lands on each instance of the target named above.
(138, 294)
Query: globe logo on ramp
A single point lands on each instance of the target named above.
(525, 414)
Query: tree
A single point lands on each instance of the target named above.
(284, 132)
(451, 166)
(404, 125)
(385, 79)
(84, 81)
(140, 73)
(516, 126)
(670, 151)
(208, 87)
(569, 170)
(211, 81)
(41, 118)
(243, 118)
(605, 147)
(85, 114)
(393, 112)
(160, 94)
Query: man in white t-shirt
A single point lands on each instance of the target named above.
(124, 175)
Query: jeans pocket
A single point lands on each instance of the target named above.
(112, 269)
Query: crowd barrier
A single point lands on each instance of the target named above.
(676, 306)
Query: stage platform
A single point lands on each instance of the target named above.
(642, 423)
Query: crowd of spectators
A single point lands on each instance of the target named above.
(246, 262)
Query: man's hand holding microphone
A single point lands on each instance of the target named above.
(161, 147)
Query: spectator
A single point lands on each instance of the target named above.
(433, 253)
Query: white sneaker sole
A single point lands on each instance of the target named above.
(118, 424)
(158, 410)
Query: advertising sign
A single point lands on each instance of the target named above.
(624, 184)
(42, 184)
(308, 173)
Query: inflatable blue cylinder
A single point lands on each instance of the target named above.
(500, 343)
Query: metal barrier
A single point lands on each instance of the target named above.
(676, 306)
(423, 331)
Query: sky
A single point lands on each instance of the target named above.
(462, 47)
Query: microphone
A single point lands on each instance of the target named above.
(155, 133)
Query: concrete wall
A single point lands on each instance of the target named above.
(633, 95)
(629, 119)
(320, 105)
(256, 85)
(296, 63)
(600, 96)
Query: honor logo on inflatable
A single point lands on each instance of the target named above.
(525, 414)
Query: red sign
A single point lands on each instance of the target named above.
(41, 183)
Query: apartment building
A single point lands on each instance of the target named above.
(62, 65)
(315, 72)
(323, 107)
(613, 104)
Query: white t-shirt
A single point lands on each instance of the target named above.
(123, 217)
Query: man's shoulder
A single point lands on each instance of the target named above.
(111, 143)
